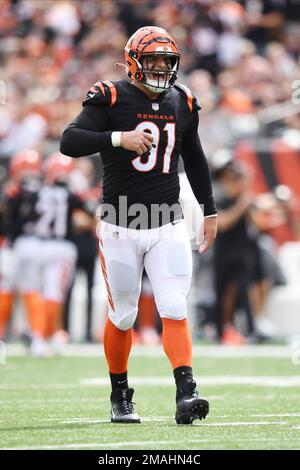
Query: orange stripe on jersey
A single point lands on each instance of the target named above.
(189, 96)
(99, 84)
(104, 272)
(113, 92)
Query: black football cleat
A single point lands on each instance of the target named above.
(189, 405)
(122, 409)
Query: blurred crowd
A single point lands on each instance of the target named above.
(241, 58)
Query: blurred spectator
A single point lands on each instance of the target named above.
(28, 131)
(45, 46)
(264, 20)
(82, 182)
(236, 261)
(277, 214)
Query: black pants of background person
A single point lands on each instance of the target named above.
(232, 274)
(86, 245)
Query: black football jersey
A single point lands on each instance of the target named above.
(19, 208)
(150, 179)
(42, 211)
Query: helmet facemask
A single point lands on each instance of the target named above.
(159, 79)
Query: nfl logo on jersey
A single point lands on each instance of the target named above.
(155, 106)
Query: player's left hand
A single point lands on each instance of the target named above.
(210, 233)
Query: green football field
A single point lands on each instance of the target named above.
(63, 402)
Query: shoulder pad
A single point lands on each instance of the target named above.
(101, 93)
(191, 99)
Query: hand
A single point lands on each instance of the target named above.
(210, 232)
(136, 141)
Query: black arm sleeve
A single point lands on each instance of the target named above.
(196, 167)
(87, 134)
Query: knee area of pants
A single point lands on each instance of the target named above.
(123, 321)
(172, 306)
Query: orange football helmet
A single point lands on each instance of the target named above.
(57, 167)
(25, 163)
(150, 42)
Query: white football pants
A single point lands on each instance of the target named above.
(7, 270)
(164, 252)
(45, 266)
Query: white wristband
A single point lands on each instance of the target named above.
(116, 139)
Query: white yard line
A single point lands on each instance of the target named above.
(244, 423)
(96, 350)
(40, 401)
(141, 444)
(198, 351)
(214, 380)
(150, 420)
(98, 420)
(89, 419)
(277, 381)
(95, 421)
(59, 386)
(277, 415)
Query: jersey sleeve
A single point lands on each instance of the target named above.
(190, 98)
(196, 168)
(101, 93)
(88, 133)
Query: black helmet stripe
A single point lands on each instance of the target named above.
(133, 38)
(163, 40)
(140, 41)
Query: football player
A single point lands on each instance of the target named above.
(140, 127)
(6, 262)
(24, 172)
(57, 210)
(55, 206)
(41, 221)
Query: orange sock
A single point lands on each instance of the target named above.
(35, 309)
(6, 301)
(53, 311)
(117, 346)
(147, 311)
(177, 342)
